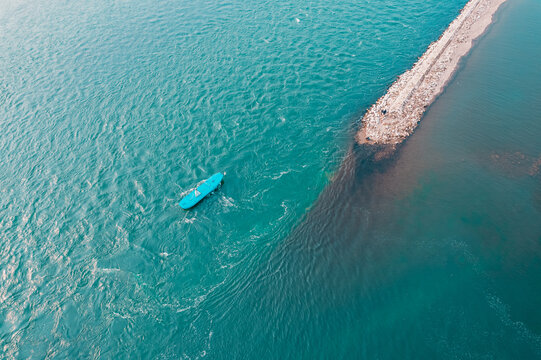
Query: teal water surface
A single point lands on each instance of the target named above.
(112, 111)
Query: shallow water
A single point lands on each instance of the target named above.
(113, 110)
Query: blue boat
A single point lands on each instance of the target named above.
(201, 191)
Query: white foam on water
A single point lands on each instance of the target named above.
(282, 173)
(227, 201)
(286, 210)
(139, 207)
(187, 220)
(139, 188)
(518, 327)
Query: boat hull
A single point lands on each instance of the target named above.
(194, 197)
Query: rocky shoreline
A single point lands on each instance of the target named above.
(396, 114)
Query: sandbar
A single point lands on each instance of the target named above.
(396, 114)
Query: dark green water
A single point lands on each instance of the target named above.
(112, 110)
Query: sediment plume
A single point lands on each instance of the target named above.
(396, 114)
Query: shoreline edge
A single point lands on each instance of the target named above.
(396, 114)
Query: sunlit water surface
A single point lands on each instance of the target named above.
(111, 111)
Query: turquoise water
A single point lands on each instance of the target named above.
(111, 111)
